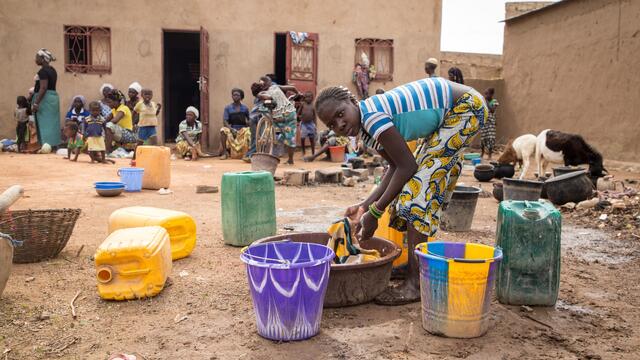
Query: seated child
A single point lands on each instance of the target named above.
(328, 138)
(77, 112)
(74, 142)
(94, 134)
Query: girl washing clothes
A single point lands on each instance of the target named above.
(447, 116)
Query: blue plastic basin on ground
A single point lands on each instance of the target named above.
(108, 185)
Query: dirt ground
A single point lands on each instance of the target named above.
(594, 318)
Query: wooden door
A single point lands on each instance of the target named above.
(203, 83)
(302, 63)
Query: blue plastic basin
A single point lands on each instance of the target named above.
(109, 185)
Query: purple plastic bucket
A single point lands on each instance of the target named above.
(288, 282)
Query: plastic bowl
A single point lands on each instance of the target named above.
(351, 284)
(471, 156)
(109, 188)
(105, 185)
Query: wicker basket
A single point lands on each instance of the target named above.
(44, 232)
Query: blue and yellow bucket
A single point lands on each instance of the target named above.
(456, 282)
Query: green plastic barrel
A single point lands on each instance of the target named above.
(248, 207)
(529, 235)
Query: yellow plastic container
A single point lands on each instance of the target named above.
(156, 162)
(133, 263)
(180, 226)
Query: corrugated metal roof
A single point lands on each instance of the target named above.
(536, 11)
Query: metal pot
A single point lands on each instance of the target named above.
(573, 187)
(503, 170)
(498, 191)
(483, 172)
(515, 189)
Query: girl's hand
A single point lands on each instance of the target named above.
(34, 108)
(355, 212)
(369, 225)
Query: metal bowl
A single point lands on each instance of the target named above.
(109, 192)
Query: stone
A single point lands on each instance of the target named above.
(350, 181)
(587, 204)
(329, 176)
(296, 177)
(378, 171)
(362, 174)
(569, 206)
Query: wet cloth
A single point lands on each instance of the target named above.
(287, 127)
(48, 118)
(439, 163)
(238, 141)
(345, 245)
(488, 132)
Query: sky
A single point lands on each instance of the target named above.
(473, 25)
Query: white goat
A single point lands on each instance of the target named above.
(520, 151)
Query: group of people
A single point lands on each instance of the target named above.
(292, 114)
(98, 127)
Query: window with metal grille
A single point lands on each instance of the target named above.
(380, 55)
(87, 49)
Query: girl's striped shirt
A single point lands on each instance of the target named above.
(416, 109)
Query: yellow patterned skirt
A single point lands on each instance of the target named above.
(237, 143)
(439, 161)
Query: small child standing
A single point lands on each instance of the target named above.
(308, 122)
(147, 111)
(74, 142)
(21, 116)
(94, 134)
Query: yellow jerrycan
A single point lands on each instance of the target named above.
(180, 226)
(156, 162)
(133, 263)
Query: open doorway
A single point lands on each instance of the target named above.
(181, 70)
(280, 58)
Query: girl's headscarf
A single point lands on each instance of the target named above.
(192, 109)
(46, 55)
(136, 86)
(84, 102)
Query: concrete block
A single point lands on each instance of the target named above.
(296, 177)
(329, 176)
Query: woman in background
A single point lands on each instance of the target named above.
(46, 103)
